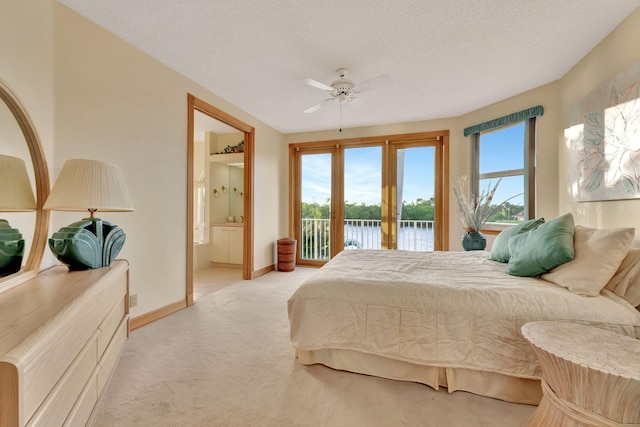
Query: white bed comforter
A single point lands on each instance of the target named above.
(443, 309)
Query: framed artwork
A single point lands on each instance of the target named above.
(604, 140)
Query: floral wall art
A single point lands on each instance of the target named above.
(605, 140)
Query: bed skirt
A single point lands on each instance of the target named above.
(489, 384)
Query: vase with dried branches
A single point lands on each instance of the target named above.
(474, 212)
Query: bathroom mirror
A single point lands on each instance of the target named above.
(19, 139)
(236, 191)
(226, 178)
(227, 187)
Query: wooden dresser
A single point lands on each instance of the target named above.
(61, 335)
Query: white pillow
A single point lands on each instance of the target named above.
(598, 254)
(626, 281)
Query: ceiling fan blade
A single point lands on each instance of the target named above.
(317, 84)
(374, 83)
(359, 103)
(318, 105)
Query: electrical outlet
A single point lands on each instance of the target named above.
(133, 300)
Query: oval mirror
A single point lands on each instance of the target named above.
(23, 223)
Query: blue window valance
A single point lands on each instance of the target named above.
(505, 120)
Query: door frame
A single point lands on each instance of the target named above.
(194, 104)
(441, 138)
(295, 193)
(441, 175)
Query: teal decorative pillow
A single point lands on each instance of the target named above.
(500, 247)
(542, 249)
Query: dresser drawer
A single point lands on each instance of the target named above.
(83, 408)
(51, 357)
(58, 332)
(54, 358)
(56, 407)
(110, 324)
(111, 355)
(117, 288)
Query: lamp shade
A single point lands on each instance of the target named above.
(16, 194)
(89, 185)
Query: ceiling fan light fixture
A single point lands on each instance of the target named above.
(343, 97)
(344, 90)
(342, 86)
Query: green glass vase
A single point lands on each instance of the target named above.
(473, 241)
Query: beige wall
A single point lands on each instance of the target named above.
(117, 104)
(92, 95)
(224, 140)
(26, 49)
(26, 67)
(457, 160)
(460, 146)
(614, 54)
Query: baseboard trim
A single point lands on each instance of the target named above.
(152, 316)
(263, 271)
(222, 264)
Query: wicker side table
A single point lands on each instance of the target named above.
(591, 377)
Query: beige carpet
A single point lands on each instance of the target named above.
(227, 361)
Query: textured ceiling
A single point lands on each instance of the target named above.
(446, 57)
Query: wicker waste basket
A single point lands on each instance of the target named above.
(286, 254)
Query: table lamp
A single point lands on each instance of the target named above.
(88, 185)
(16, 195)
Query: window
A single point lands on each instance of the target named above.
(500, 156)
(504, 150)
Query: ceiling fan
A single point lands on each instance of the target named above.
(344, 90)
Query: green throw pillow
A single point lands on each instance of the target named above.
(500, 247)
(538, 251)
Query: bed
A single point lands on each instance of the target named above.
(453, 319)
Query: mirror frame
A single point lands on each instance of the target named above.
(41, 177)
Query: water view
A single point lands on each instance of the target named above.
(413, 235)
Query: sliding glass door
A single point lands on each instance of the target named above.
(371, 193)
(362, 212)
(414, 199)
(315, 206)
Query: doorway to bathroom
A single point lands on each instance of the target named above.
(219, 199)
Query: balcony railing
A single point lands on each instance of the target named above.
(413, 235)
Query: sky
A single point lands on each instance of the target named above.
(363, 175)
(363, 171)
(504, 150)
